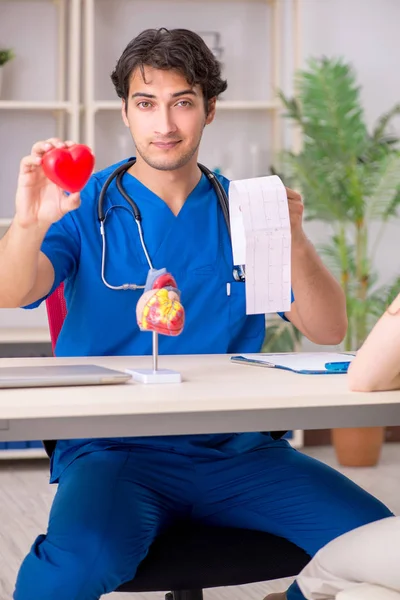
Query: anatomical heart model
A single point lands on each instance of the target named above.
(159, 309)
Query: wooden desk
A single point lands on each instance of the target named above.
(215, 396)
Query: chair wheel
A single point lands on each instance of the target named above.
(169, 596)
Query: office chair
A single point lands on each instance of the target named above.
(190, 557)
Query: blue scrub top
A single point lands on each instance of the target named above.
(195, 247)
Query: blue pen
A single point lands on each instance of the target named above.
(337, 367)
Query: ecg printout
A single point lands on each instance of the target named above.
(261, 240)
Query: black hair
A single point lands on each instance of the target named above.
(176, 49)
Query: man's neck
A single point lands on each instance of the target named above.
(171, 186)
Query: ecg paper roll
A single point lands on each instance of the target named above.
(261, 240)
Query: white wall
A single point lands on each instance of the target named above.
(366, 33)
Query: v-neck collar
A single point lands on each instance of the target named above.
(136, 187)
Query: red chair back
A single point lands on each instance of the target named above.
(56, 313)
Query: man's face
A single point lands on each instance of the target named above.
(166, 117)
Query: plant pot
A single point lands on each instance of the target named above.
(358, 447)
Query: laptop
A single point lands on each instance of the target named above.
(60, 375)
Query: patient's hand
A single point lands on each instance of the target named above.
(159, 309)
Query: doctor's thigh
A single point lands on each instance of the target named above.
(367, 555)
(282, 491)
(109, 507)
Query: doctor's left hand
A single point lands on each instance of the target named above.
(296, 209)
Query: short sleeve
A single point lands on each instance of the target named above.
(62, 244)
(62, 247)
(281, 314)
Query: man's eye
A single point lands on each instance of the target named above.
(144, 104)
(184, 103)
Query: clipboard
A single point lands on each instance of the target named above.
(304, 363)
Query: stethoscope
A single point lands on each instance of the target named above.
(117, 174)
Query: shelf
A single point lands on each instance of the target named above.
(244, 1)
(221, 105)
(56, 1)
(230, 1)
(37, 105)
(24, 335)
(4, 223)
(247, 105)
(23, 452)
(270, 2)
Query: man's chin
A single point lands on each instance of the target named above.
(168, 160)
(168, 164)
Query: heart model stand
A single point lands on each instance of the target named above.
(155, 375)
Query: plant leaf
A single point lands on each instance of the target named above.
(384, 196)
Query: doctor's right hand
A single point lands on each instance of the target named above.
(39, 201)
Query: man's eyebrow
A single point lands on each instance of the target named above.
(142, 95)
(175, 95)
(184, 93)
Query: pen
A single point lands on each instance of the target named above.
(342, 367)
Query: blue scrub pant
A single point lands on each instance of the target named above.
(110, 505)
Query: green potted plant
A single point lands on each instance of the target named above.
(6, 54)
(281, 336)
(350, 180)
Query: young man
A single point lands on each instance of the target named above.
(116, 495)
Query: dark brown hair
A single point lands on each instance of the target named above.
(176, 49)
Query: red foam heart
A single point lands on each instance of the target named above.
(69, 168)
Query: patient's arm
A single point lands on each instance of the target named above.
(377, 364)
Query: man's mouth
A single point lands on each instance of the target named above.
(166, 145)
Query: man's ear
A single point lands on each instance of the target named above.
(123, 113)
(212, 105)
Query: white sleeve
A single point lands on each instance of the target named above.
(368, 554)
(366, 591)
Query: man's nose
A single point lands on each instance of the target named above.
(165, 124)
